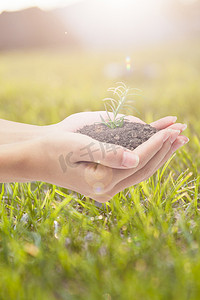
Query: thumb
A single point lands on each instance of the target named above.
(87, 149)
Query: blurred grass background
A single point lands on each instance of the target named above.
(43, 87)
(58, 59)
(145, 243)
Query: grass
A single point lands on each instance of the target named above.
(144, 243)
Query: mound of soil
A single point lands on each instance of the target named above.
(130, 135)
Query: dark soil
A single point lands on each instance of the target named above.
(130, 135)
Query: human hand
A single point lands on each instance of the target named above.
(101, 175)
(78, 120)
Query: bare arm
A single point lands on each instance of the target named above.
(13, 161)
(12, 132)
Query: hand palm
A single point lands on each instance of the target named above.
(78, 120)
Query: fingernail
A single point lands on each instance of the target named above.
(169, 133)
(174, 135)
(180, 144)
(174, 119)
(184, 127)
(130, 160)
(185, 141)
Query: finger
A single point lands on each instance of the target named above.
(158, 161)
(179, 142)
(86, 149)
(141, 155)
(178, 126)
(137, 177)
(148, 169)
(147, 151)
(164, 122)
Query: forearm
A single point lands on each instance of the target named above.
(19, 162)
(12, 132)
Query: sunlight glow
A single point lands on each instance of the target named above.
(99, 24)
(188, 2)
(10, 5)
(128, 63)
(139, 5)
(143, 7)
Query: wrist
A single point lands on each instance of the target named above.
(34, 132)
(15, 161)
(14, 132)
(34, 159)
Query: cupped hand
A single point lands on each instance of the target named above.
(78, 120)
(98, 170)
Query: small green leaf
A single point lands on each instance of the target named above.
(122, 92)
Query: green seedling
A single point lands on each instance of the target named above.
(122, 93)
